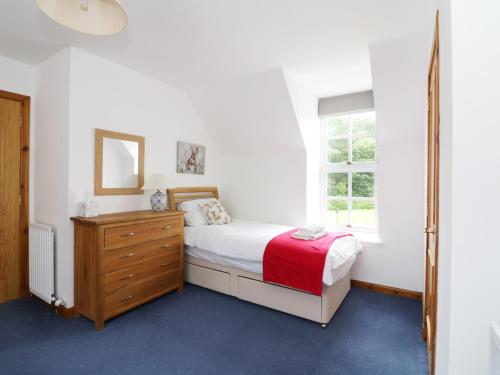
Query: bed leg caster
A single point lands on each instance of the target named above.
(323, 325)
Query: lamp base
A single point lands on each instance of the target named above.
(159, 201)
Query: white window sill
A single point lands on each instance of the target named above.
(370, 239)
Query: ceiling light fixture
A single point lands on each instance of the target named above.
(98, 17)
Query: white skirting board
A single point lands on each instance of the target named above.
(250, 287)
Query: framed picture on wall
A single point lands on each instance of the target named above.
(190, 158)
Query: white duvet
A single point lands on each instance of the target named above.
(247, 240)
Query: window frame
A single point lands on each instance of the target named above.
(348, 167)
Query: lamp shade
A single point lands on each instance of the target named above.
(98, 17)
(156, 182)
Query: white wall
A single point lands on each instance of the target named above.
(20, 78)
(255, 127)
(306, 112)
(51, 175)
(399, 86)
(266, 187)
(17, 77)
(469, 96)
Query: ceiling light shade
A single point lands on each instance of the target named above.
(98, 17)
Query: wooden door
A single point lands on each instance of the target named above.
(432, 228)
(10, 199)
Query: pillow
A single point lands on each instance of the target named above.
(193, 215)
(215, 212)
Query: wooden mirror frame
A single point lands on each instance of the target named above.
(100, 134)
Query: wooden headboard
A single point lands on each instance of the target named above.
(178, 195)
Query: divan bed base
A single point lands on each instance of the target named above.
(250, 287)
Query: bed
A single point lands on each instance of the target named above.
(228, 259)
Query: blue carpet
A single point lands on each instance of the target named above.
(203, 332)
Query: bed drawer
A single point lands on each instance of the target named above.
(280, 298)
(128, 256)
(124, 278)
(127, 235)
(207, 278)
(139, 293)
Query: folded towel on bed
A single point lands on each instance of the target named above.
(310, 230)
(311, 237)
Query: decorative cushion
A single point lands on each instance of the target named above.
(192, 212)
(215, 213)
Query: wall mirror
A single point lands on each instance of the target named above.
(119, 163)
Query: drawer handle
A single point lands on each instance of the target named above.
(127, 277)
(165, 264)
(127, 256)
(164, 283)
(167, 227)
(127, 298)
(164, 246)
(128, 234)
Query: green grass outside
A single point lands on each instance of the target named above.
(360, 218)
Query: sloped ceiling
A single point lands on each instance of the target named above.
(196, 43)
(250, 115)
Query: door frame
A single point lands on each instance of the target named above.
(435, 233)
(25, 102)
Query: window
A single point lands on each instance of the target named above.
(350, 167)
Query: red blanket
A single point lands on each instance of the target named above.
(297, 263)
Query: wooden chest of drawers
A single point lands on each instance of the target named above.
(124, 260)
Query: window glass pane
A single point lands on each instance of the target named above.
(363, 137)
(363, 149)
(337, 150)
(338, 126)
(363, 214)
(363, 184)
(363, 124)
(337, 184)
(337, 213)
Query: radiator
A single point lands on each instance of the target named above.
(495, 349)
(41, 261)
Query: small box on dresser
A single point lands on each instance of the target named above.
(125, 259)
